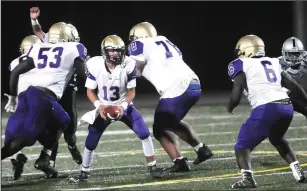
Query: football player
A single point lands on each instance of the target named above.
(19, 159)
(157, 59)
(114, 74)
(68, 101)
(294, 62)
(52, 63)
(260, 78)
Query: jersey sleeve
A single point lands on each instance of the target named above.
(136, 50)
(234, 68)
(131, 74)
(82, 51)
(91, 82)
(13, 64)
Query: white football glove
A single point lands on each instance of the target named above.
(11, 104)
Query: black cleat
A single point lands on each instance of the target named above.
(83, 177)
(203, 154)
(75, 153)
(50, 172)
(156, 172)
(18, 164)
(43, 164)
(247, 181)
(181, 165)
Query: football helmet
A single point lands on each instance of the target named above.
(62, 32)
(27, 42)
(113, 49)
(249, 46)
(75, 34)
(293, 51)
(142, 30)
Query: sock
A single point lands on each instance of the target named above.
(47, 151)
(197, 147)
(152, 163)
(15, 155)
(179, 158)
(88, 157)
(148, 147)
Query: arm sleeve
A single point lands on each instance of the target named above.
(136, 50)
(234, 68)
(91, 75)
(131, 74)
(25, 66)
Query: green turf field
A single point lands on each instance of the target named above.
(119, 162)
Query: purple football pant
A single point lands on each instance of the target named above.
(131, 117)
(34, 111)
(270, 120)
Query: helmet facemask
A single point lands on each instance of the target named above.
(113, 55)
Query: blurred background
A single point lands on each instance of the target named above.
(206, 32)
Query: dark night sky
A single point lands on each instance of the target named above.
(206, 32)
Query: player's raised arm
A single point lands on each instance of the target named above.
(37, 29)
(25, 65)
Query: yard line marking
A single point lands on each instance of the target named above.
(138, 165)
(184, 180)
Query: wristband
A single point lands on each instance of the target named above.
(124, 105)
(34, 22)
(97, 103)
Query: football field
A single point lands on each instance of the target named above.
(119, 163)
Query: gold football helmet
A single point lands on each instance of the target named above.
(113, 49)
(75, 33)
(142, 30)
(62, 32)
(27, 42)
(249, 46)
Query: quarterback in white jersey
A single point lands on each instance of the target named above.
(114, 74)
(160, 62)
(261, 78)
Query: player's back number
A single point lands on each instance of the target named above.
(268, 68)
(166, 44)
(54, 59)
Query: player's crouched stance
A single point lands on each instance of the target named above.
(260, 78)
(115, 76)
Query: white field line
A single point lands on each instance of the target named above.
(126, 132)
(128, 166)
(172, 182)
(158, 151)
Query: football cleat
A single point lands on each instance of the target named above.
(203, 154)
(18, 164)
(75, 153)
(83, 177)
(246, 182)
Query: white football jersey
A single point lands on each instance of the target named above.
(112, 85)
(23, 78)
(54, 64)
(164, 68)
(263, 78)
